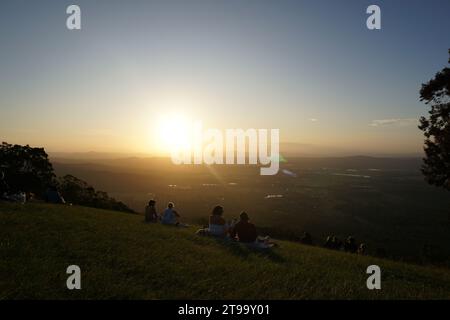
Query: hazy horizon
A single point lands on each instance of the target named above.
(312, 152)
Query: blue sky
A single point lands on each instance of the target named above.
(246, 63)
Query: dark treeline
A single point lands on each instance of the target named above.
(27, 170)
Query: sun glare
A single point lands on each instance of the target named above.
(173, 132)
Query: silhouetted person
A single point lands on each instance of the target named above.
(333, 242)
(244, 230)
(52, 195)
(217, 224)
(3, 184)
(150, 212)
(362, 249)
(336, 243)
(350, 245)
(170, 216)
(306, 239)
(329, 243)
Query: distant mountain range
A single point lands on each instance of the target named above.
(287, 149)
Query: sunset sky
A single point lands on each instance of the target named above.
(310, 68)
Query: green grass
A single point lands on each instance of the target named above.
(122, 257)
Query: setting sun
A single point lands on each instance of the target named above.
(173, 132)
(182, 151)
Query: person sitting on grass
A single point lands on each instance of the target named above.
(244, 230)
(362, 249)
(246, 233)
(170, 216)
(328, 243)
(52, 195)
(217, 225)
(306, 239)
(333, 243)
(150, 212)
(350, 245)
(3, 185)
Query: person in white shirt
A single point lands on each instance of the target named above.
(217, 225)
(170, 216)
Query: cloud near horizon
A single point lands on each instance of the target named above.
(400, 122)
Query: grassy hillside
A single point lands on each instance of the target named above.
(121, 257)
(384, 203)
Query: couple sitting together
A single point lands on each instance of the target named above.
(169, 217)
(243, 231)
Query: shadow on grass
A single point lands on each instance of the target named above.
(244, 251)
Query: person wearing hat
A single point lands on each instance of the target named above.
(244, 230)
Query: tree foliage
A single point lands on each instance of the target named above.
(436, 128)
(79, 192)
(25, 168)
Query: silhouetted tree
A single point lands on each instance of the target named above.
(25, 168)
(79, 192)
(436, 128)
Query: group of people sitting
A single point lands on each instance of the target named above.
(243, 230)
(349, 245)
(169, 217)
